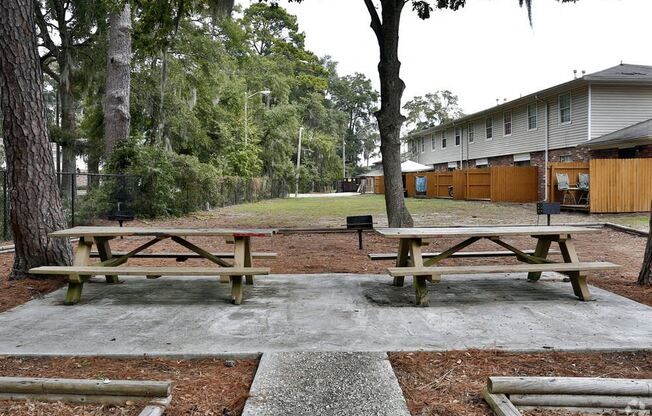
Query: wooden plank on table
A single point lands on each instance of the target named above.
(503, 268)
(150, 271)
(500, 404)
(156, 232)
(459, 254)
(482, 231)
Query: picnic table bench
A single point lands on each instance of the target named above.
(110, 264)
(410, 261)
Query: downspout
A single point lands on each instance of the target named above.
(547, 146)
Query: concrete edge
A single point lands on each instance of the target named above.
(260, 355)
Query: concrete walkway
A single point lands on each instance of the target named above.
(357, 313)
(325, 384)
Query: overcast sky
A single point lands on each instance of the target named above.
(488, 49)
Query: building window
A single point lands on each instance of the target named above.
(471, 133)
(458, 136)
(532, 116)
(489, 128)
(432, 142)
(565, 108)
(443, 139)
(522, 163)
(482, 163)
(566, 158)
(507, 123)
(423, 145)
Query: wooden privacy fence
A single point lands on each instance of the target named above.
(620, 185)
(496, 184)
(615, 185)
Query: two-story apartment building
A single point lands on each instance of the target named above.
(562, 119)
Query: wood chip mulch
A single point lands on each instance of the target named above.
(200, 387)
(450, 383)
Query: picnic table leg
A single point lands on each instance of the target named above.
(402, 260)
(76, 282)
(104, 250)
(541, 251)
(238, 261)
(578, 279)
(419, 282)
(247, 259)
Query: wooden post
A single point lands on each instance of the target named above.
(238, 261)
(578, 279)
(541, 251)
(419, 282)
(402, 260)
(75, 282)
(500, 404)
(104, 251)
(247, 259)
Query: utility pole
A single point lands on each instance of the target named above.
(344, 156)
(296, 188)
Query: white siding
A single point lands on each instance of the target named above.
(616, 107)
(521, 140)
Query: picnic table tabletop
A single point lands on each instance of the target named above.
(501, 231)
(160, 231)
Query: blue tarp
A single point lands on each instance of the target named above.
(421, 184)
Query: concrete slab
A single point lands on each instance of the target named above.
(325, 383)
(189, 317)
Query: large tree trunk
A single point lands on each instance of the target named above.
(35, 207)
(118, 78)
(389, 116)
(645, 277)
(68, 114)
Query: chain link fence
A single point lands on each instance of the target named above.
(87, 196)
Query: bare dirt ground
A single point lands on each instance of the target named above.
(200, 387)
(450, 383)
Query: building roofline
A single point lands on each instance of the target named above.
(542, 94)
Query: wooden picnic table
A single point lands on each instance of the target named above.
(411, 262)
(241, 265)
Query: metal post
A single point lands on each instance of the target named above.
(296, 189)
(359, 239)
(344, 156)
(73, 185)
(246, 120)
(5, 207)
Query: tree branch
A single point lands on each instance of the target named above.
(43, 30)
(376, 24)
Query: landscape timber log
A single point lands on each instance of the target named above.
(570, 400)
(570, 385)
(26, 385)
(500, 404)
(76, 398)
(592, 411)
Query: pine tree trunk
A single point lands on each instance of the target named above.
(645, 277)
(35, 207)
(389, 117)
(68, 115)
(118, 77)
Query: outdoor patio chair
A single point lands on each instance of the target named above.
(563, 185)
(583, 187)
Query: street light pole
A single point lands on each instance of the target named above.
(296, 187)
(246, 111)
